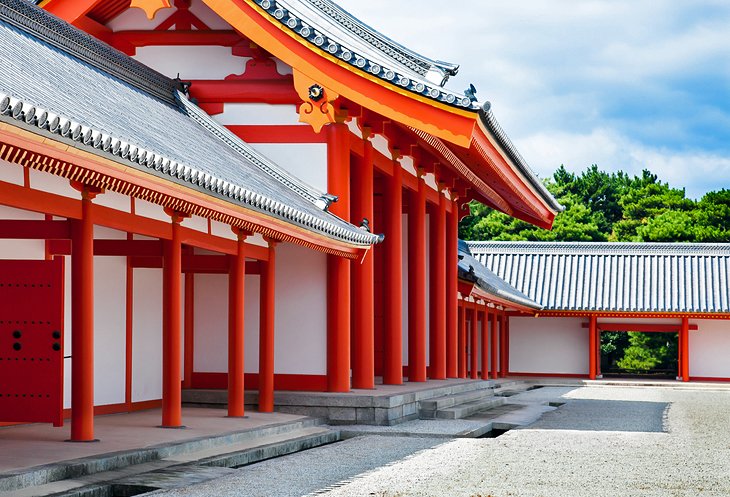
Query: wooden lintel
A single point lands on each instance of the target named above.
(643, 327)
(34, 229)
(132, 248)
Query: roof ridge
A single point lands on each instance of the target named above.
(580, 247)
(356, 44)
(37, 22)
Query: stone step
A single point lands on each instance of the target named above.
(451, 400)
(468, 408)
(188, 468)
(507, 388)
(116, 461)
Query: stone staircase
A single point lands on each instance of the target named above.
(166, 466)
(461, 404)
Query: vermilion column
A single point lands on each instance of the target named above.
(452, 302)
(462, 340)
(393, 339)
(495, 345)
(684, 343)
(437, 289)
(592, 348)
(338, 268)
(485, 344)
(267, 309)
(363, 276)
(171, 328)
(82, 323)
(417, 282)
(236, 332)
(474, 354)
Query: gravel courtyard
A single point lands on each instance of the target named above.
(604, 441)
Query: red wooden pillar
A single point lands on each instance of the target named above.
(474, 346)
(684, 344)
(495, 345)
(393, 339)
(172, 327)
(598, 353)
(363, 276)
(437, 289)
(503, 344)
(236, 332)
(82, 322)
(592, 348)
(267, 308)
(462, 341)
(452, 302)
(417, 282)
(485, 344)
(338, 268)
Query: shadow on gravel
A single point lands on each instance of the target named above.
(607, 415)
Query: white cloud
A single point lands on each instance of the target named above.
(697, 171)
(622, 83)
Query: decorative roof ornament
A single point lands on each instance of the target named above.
(317, 109)
(471, 92)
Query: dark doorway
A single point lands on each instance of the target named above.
(639, 354)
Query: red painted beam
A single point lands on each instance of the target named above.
(127, 41)
(142, 248)
(643, 327)
(293, 133)
(35, 229)
(244, 91)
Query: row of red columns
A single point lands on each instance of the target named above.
(443, 285)
(82, 337)
(494, 329)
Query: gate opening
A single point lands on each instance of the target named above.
(639, 354)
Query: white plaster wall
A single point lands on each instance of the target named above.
(258, 114)
(211, 324)
(709, 348)
(21, 249)
(306, 161)
(115, 201)
(196, 223)
(192, 62)
(147, 335)
(301, 311)
(51, 183)
(11, 173)
(548, 345)
(150, 210)
(222, 230)
(109, 329)
(104, 233)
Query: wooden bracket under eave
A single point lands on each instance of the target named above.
(318, 108)
(150, 7)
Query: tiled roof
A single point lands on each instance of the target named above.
(58, 81)
(470, 269)
(327, 27)
(619, 277)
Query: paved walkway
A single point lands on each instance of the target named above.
(26, 446)
(604, 441)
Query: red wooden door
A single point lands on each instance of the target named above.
(31, 341)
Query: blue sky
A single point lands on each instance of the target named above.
(623, 84)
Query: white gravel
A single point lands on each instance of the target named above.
(603, 442)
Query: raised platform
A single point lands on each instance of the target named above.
(385, 405)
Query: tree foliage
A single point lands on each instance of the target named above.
(602, 206)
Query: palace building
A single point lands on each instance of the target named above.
(235, 194)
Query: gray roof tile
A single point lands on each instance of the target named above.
(80, 88)
(614, 277)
